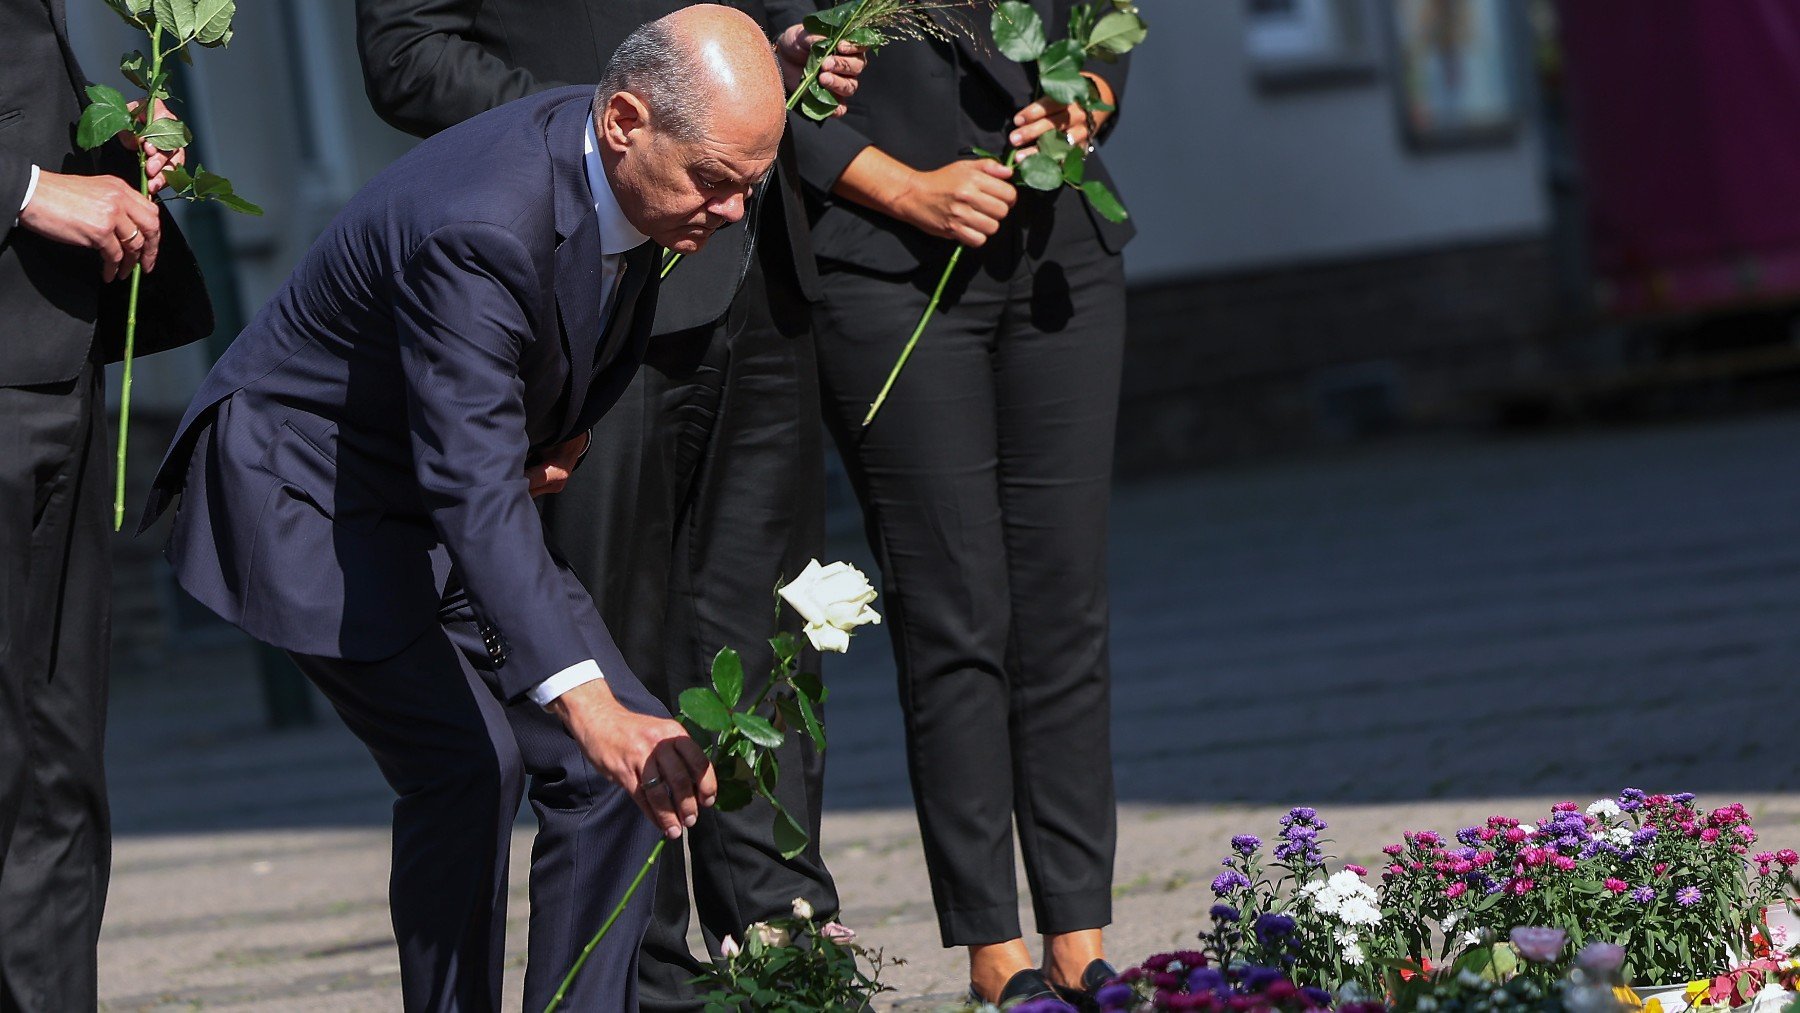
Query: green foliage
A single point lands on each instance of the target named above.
(1018, 31)
(728, 677)
(794, 965)
(107, 114)
(1040, 171)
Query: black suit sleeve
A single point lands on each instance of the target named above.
(424, 71)
(15, 175)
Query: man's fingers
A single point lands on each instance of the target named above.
(700, 772)
(658, 801)
(148, 224)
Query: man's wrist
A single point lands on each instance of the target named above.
(575, 675)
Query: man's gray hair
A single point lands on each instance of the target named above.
(656, 65)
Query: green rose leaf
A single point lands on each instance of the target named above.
(1117, 33)
(212, 21)
(105, 117)
(1103, 201)
(170, 15)
(768, 775)
(1081, 23)
(810, 718)
(1059, 72)
(985, 153)
(1055, 145)
(818, 103)
(790, 837)
(728, 676)
(134, 65)
(179, 180)
(1040, 172)
(1075, 167)
(756, 729)
(832, 18)
(166, 134)
(1018, 31)
(733, 795)
(703, 707)
(810, 685)
(868, 38)
(123, 9)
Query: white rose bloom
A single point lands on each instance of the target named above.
(834, 600)
(769, 935)
(728, 948)
(802, 909)
(1604, 808)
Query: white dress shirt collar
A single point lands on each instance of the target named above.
(616, 232)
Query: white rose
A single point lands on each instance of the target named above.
(834, 600)
(769, 935)
(802, 909)
(728, 948)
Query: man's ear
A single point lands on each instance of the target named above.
(623, 116)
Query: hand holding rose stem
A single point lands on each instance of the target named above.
(834, 600)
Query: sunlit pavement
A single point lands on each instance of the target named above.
(1413, 635)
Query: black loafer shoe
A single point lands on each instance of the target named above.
(1093, 979)
(1027, 984)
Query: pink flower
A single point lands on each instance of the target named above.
(1563, 862)
(728, 948)
(1394, 850)
(1514, 835)
(1396, 870)
(1660, 868)
(1743, 830)
(1520, 887)
(1709, 835)
(1359, 870)
(1616, 885)
(1456, 890)
(1534, 857)
(837, 932)
(1788, 856)
(1565, 807)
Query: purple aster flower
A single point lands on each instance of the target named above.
(1116, 996)
(1271, 928)
(1246, 844)
(1206, 979)
(1225, 882)
(1257, 979)
(1643, 836)
(1470, 836)
(1683, 797)
(1644, 894)
(1316, 998)
(1224, 913)
(1631, 799)
(1300, 814)
(1687, 896)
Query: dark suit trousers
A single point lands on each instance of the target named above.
(55, 840)
(459, 759)
(703, 489)
(984, 483)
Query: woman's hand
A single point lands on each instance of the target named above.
(1047, 114)
(965, 201)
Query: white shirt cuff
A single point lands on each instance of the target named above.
(563, 681)
(30, 188)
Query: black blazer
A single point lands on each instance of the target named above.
(428, 64)
(52, 302)
(925, 103)
(367, 434)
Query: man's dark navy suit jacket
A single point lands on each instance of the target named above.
(367, 435)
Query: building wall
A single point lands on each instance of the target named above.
(1225, 171)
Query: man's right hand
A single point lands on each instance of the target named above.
(964, 201)
(97, 212)
(653, 759)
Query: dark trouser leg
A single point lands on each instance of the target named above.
(926, 473)
(592, 839)
(755, 517)
(1058, 367)
(54, 871)
(443, 742)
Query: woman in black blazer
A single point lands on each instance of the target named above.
(984, 480)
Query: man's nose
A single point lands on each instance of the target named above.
(731, 209)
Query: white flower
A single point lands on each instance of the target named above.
(802, 909)
(769, 935)
(1604, 808)
(1451, 919)
(1530, 831)
(1345, 937)
(834, 600)
(1353, 955)
(1619, 835)
(728, 948)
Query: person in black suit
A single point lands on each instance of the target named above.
(704, 487)
(70, 228)
(984, 480)
(358, 474)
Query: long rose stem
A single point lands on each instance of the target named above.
(619, 909)
(131, 302)
(924, 318)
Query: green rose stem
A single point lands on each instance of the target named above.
(131, 302)
(712, 758)
(924, 319)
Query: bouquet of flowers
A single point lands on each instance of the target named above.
(1333, 920)
(794, 964)
(1679, 887)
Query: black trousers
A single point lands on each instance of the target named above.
(703, 489)
(984, 483)
(55, 838)
(459, 760)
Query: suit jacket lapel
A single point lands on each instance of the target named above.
(59, 19)
(1010, 77)
(621, 348)
(577, 255)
